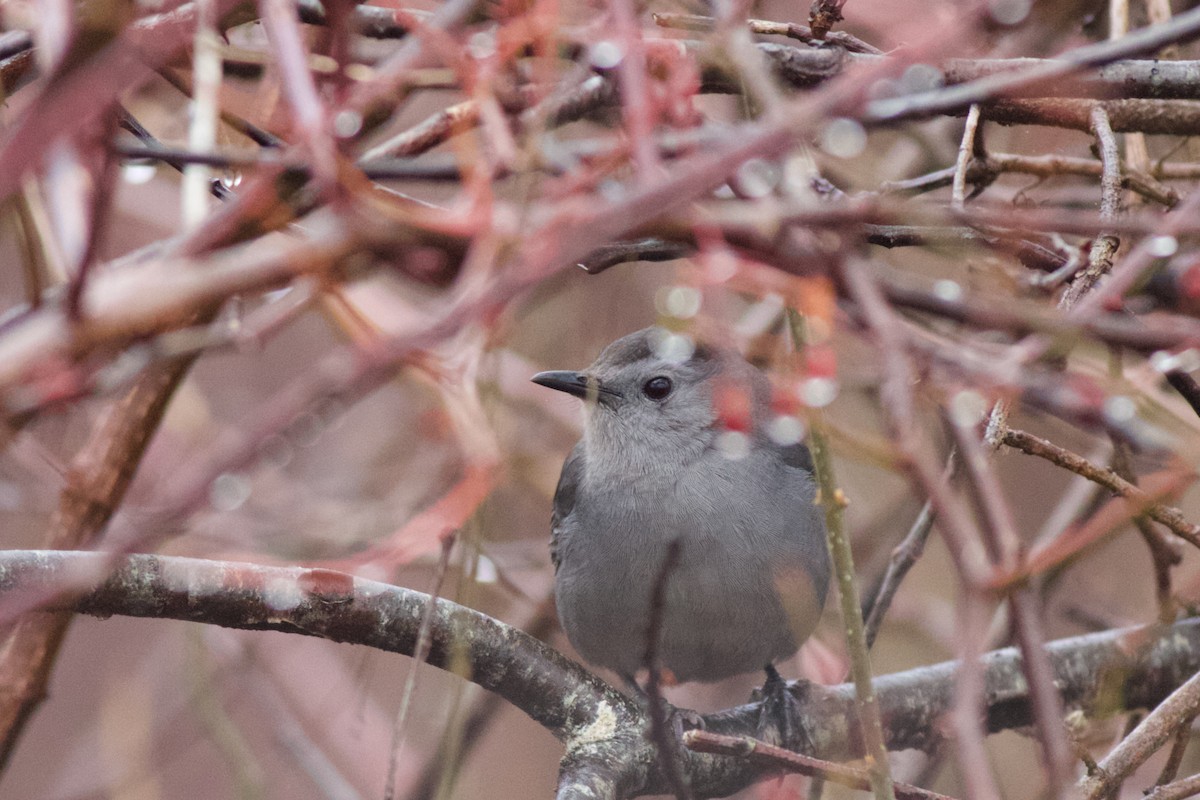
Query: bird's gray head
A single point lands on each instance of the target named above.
(653, 399)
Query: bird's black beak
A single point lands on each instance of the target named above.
(577, 384)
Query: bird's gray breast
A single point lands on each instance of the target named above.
(747, 588)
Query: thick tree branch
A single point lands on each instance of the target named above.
(552, 690)
(1148, 79)
(604, 731)
(1006, 84)
(375, 22)
(1164, 117)
(1111, 73)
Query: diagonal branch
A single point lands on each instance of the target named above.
(96, 484)
(1166, 515)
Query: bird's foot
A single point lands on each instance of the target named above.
(678, 720)
(683, 719)
(779, 719)
(667, 737)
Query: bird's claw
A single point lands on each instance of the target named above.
(779, 719)
(683, 719)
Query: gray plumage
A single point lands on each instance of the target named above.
(753, 570)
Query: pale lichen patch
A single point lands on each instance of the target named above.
(602, 728)
(282, 594)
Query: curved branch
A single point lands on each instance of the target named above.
(607, 751)
(557, 693)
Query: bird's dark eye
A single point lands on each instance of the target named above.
(657, 387)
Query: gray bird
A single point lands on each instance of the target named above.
(657, 464)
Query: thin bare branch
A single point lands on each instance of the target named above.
(764, 27)
(1153, 732)
(1104, 247)
(770, 756)
(1171, 517)
(1180, 789)
(966, 152)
